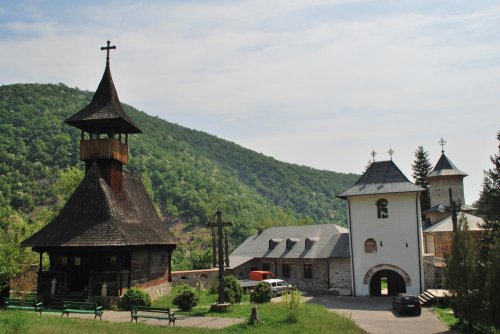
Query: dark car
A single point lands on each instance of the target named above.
(406, 303)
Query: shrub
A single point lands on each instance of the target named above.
(186, 298)
(291, 303)
(233, 292)
(262, 293)
(135, 297)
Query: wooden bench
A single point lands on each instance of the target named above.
(23, 304)
(152, 313)
(82, 308)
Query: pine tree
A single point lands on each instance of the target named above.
(463, 275)
(489, 202)
(421, 168)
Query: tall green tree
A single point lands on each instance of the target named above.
(489, 202)
(463, 275)
(492, 286)
(421, 168)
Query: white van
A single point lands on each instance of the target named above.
(278, 286)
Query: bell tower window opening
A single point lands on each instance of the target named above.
(370, 246)
(382, 211)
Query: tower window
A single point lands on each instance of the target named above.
(382, 211)
(370, 246)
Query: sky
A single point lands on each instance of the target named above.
(312, 82)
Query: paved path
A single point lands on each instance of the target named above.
(374, 315)
(182, 320)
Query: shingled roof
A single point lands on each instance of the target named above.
(104, 114)
(445, 167)
(97, 215)
(326, 241)
(380, 178)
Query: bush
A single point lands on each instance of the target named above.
(262, 293)
(186, 298)
(233, 292)
(135, 297)
(291, 303)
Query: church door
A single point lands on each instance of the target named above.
(395, 283)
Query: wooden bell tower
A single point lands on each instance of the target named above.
(105, 128)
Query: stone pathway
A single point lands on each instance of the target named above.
(182, 320)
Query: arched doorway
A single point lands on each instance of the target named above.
(395, 283)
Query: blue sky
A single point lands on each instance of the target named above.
(313, 82)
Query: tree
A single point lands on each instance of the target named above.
(421, 168)
(488, 203)
(492, 286)
(463, 275)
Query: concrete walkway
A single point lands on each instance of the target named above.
(182, 320)
(375, 315)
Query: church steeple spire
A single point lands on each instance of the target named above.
(105, 127)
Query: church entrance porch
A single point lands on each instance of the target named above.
(387, 280)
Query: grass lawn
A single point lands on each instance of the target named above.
(312, 319)
(445, 314)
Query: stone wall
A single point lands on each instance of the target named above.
(192, 277)
(332, 275)
(340, 277)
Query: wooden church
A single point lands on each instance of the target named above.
(108, 232)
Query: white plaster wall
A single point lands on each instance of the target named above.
(403, 226)
(439, 189)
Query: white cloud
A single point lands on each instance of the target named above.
(318, 83)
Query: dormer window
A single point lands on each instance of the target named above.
(290, 242)
(310, 242)
(382, 211)
(273, 243)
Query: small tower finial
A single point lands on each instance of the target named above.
(107, 48)
(373, 154)
(442, 142)
(391, 152)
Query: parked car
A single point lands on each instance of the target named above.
(406, 303)
(278, 286)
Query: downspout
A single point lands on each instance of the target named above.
(350, 246)
(419, 243)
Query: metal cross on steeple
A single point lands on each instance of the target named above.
(107, 48)
(442, 142)
(373, 154)
(391, 152)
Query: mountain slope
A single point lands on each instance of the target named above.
(189, 173)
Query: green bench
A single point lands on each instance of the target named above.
(152, 313)
(23, 304)
(82, 308)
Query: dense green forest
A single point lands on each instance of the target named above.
(188, 173)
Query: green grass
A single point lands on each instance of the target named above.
(445, 314)
(312, 319)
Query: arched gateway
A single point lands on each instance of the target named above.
(397, 279)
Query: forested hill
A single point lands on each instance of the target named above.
(189, 173)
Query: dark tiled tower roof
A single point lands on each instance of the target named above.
(104, 114)
(110, 207)
(381, 177)
(97, 215)
(444, 167)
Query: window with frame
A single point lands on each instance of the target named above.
(266, 267)
(308, 270)
(285, 270)
(382, 211)
(370, 246)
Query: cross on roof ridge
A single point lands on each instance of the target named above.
(107, 48)
(442, 142)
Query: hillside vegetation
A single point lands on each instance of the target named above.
(188, 173)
